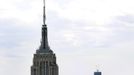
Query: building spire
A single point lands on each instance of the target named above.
(44, 13)
(44, 48)
(44, 41)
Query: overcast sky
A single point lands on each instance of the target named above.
(82, 33)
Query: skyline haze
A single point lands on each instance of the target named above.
(82, 33)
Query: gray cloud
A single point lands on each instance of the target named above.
(11, 34)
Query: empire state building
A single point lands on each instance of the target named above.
(44, 61)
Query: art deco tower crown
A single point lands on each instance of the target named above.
(44, 61)
(44, 48)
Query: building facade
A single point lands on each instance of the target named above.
(44, 60)
(97, 73)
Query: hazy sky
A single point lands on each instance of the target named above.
(82, 33)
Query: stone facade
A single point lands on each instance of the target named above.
(44, 64)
